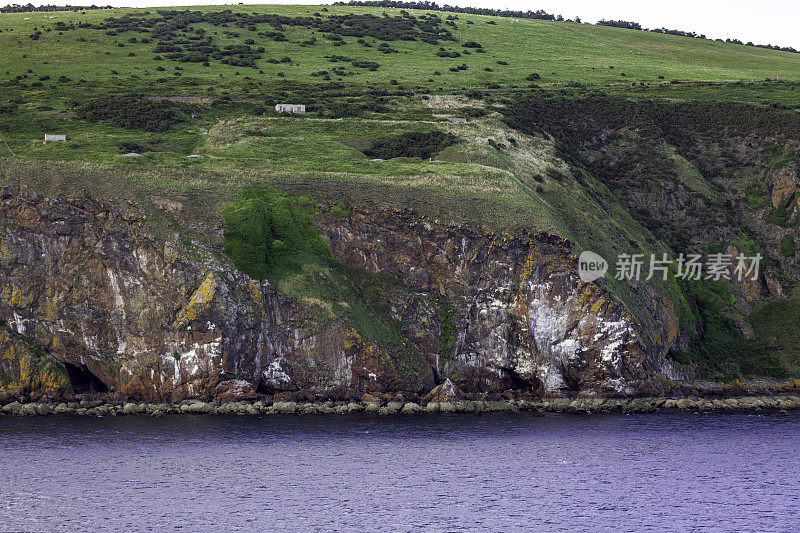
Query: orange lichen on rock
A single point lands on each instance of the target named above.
(199, 301)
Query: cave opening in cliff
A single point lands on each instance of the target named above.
(520, 383)
(82, 380)
(263, 388)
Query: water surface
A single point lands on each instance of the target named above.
(659, 471)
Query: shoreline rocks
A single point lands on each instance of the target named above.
(396, 407)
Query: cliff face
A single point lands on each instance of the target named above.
(520, 316)
(109, 307)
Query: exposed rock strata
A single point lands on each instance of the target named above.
(521, 316)
(112, 307)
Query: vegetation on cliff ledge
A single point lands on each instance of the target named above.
(266, 229)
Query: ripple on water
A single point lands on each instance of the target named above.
(450, 472)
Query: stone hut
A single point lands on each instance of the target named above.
(290, 108)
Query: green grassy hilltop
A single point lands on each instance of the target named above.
(119, 46)
(613, 138)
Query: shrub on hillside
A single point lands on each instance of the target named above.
(134, 113)
(412, 144)
(370, 65)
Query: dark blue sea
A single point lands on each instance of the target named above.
(495, 472)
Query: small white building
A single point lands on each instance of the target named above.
(290, 108)
(52, 137)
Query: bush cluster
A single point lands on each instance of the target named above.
(411, 144)
(135, 113)
(179, 36)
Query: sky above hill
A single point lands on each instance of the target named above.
(764, 22)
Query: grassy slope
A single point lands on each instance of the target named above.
(310, 149)
(560, 51)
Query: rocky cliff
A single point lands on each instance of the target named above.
(521, 318)
(93, 301)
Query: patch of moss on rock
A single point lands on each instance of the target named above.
(788, 245)
(25, 367)
(340, 211)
